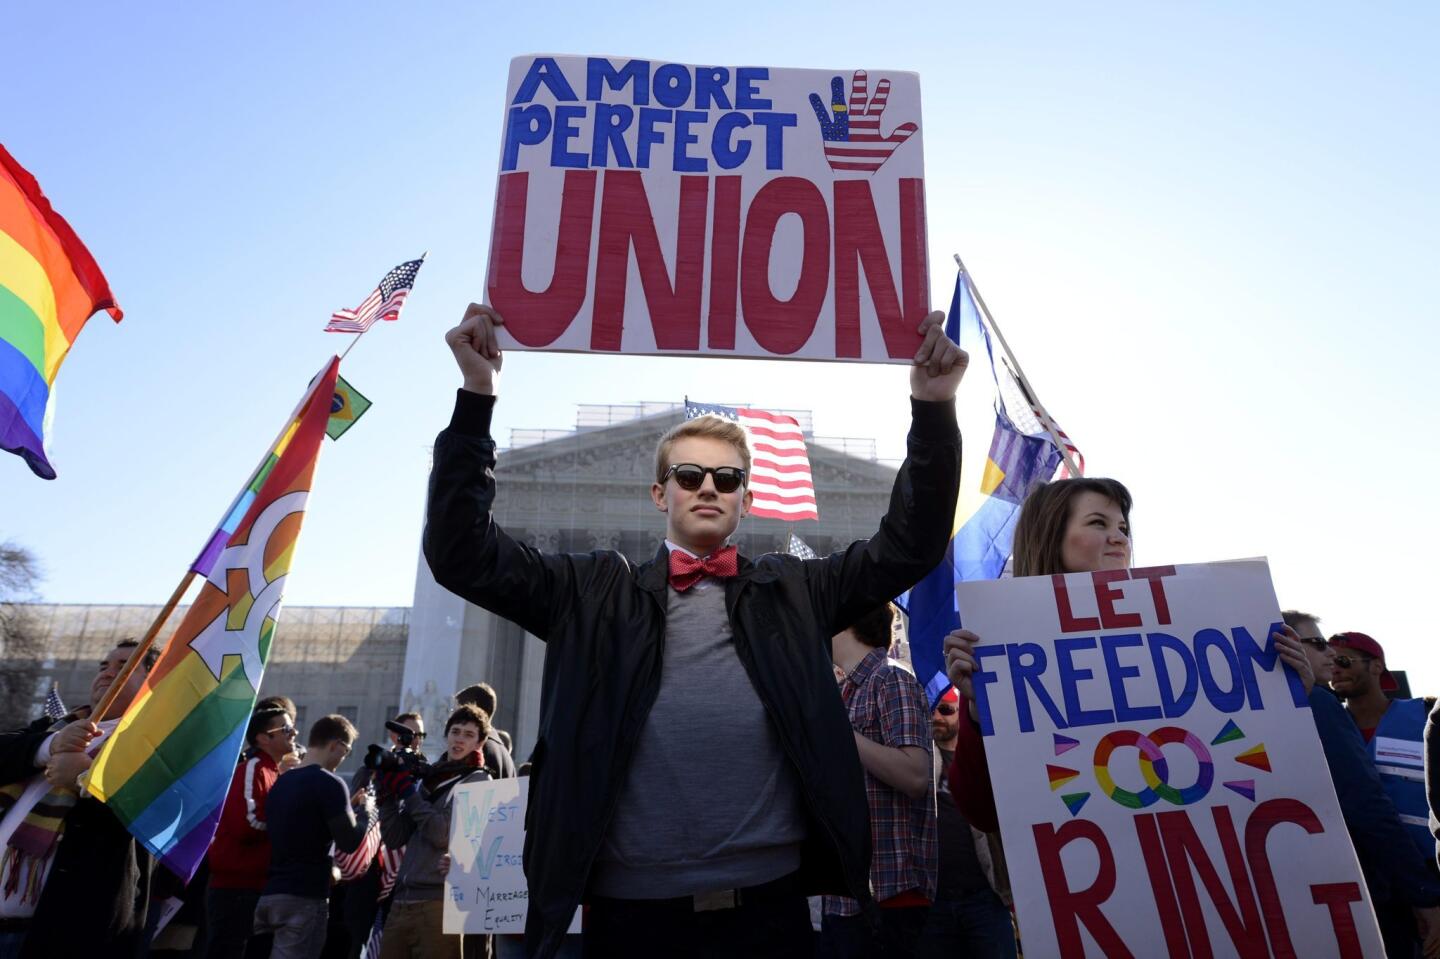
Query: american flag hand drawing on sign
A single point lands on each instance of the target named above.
(851, 132)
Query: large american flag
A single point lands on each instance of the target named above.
(382, 304)
(780, 467)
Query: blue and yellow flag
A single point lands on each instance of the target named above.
(992, 488)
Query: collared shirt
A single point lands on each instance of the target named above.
(886, 704)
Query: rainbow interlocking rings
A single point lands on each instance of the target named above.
(1153, 767)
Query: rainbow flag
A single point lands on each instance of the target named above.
(166, 769)
(50, 286)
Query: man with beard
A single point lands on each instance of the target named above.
(970, 916)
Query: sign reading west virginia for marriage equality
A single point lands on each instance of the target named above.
(649, 207)
(1160, 784)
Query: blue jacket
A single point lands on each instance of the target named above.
(1398, 751)
(1394, 869)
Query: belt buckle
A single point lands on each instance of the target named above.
(716, 900)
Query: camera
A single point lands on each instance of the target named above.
(405, 757)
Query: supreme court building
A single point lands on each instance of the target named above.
(565, 490)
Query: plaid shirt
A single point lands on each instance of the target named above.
(887, 705)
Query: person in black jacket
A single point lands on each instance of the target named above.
(87, 893)
(695, 776)
(1402, 887)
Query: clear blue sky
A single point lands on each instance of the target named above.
(1208, 232)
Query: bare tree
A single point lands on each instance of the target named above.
(22, 642)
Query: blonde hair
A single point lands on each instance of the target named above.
(710, 427)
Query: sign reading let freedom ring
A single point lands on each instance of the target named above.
(649, 207)
(1159, 780)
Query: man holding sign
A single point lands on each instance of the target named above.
(696, 776)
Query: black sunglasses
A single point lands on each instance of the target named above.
(691, 477)
(945, 709)
(1315, 642)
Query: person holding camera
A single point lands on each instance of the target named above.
(415, 813)
(368, 874)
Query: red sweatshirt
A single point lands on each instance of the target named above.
(240, 854)
(970, 776)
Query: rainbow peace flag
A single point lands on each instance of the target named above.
(166, 768)
(1016, 461)
(50, 286)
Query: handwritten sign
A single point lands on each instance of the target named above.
(1160, 784)
(653, 207)
(485, 890)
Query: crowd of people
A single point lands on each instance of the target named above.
(730, 762)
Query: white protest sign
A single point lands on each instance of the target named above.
(652, 207)
(485, 890)
(1160, 784)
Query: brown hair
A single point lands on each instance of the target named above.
(1040, 531)
(711, 427)
(327, 729)
(279, 702)
(151, 655)
(875, 628)
(1294, 617)
(466, 714)
(481, 695)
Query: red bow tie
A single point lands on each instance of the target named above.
(686, 570)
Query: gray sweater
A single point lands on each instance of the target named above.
(422, 826)
(710, 801)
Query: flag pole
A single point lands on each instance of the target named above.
(1015, 368)
(367, 329)
(138, 653)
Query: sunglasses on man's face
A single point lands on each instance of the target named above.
(691, 477)
(945, 709)
(1345, 662)
(1315, 642)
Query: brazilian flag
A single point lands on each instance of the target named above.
(346, 406)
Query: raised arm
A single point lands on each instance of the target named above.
(916, 528)
(468, 553)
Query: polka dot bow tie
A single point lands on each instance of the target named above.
(686, 570)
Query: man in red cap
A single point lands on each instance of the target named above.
(1393, 728)
(971, 912)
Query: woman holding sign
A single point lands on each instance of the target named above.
(1077, 525)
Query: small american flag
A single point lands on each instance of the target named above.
(1045, 422)
(54, 705)
(780, 467)
(1049, 423)
(796, 546)
(353, 865)
(382, 304)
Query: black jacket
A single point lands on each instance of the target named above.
(96, 895)
(603, 620)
